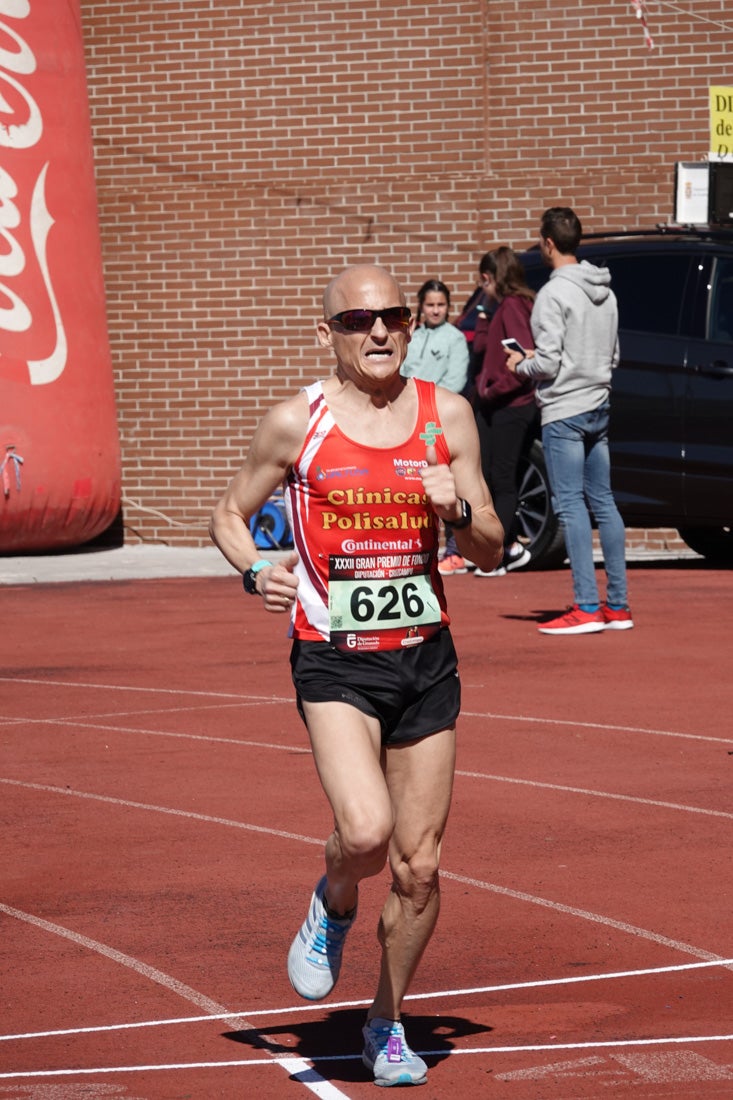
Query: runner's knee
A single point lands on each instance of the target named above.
(417, 877)
(365, 836)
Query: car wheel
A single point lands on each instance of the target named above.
(539, 528)
(714, 543)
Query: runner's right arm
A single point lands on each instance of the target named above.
(275, 446)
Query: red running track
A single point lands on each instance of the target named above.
(162, 832)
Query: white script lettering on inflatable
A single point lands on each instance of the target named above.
(17, 317)
(22, 59)
(27, 132)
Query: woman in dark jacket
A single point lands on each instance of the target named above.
(506, 412)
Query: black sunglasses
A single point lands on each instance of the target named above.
(363, 320)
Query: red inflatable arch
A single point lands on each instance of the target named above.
(59, 448)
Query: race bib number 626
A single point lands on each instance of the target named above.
(371, 605)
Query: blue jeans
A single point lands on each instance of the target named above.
(579, 468)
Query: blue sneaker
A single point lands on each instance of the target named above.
(314, 959)
(387, 1054)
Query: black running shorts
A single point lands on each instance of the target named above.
(413, 692)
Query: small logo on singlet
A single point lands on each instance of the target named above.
(340, 471)
(409, 468)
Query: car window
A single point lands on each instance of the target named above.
(721, 305)
(536, 273)
(650, 291)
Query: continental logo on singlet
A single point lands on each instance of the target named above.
(399, 519)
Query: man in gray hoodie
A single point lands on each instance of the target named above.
(575, 328)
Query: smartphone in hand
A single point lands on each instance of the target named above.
(513, 345)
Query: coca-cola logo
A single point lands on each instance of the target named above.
(25, 221)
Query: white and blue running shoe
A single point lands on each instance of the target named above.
(387, 1054)
(314, 959)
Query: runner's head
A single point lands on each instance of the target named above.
(367, 325)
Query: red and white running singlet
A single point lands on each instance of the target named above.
(365, 533)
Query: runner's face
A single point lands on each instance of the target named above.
(374, 358)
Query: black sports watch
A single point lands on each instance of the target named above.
(249, 577)
(466, 516)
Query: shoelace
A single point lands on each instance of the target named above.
(328, 935)
(391, 1041)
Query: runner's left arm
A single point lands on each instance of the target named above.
(482, 541)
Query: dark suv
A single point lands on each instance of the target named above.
(671, 435)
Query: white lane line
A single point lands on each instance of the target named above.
(72, 719)
(596, 794)
(298, 1068)
(518, 895)
(301, 750)
(435, 995)
(584, 914)
(600, 1045)
(484, 714)
(594, 726)
(76, 724)
(194, 708)
(306, 1074)
(213, 1009)
(320, 841)
(147, 690)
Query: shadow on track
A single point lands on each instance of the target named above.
(333, 1043)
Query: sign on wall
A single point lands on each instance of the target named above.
(691, 193)
(721, 123)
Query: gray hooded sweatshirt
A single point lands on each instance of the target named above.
(575, 328)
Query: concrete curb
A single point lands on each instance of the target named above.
(144, 561)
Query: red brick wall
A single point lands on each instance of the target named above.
(246, 152)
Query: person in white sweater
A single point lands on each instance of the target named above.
(575, 328)
(438, 352)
